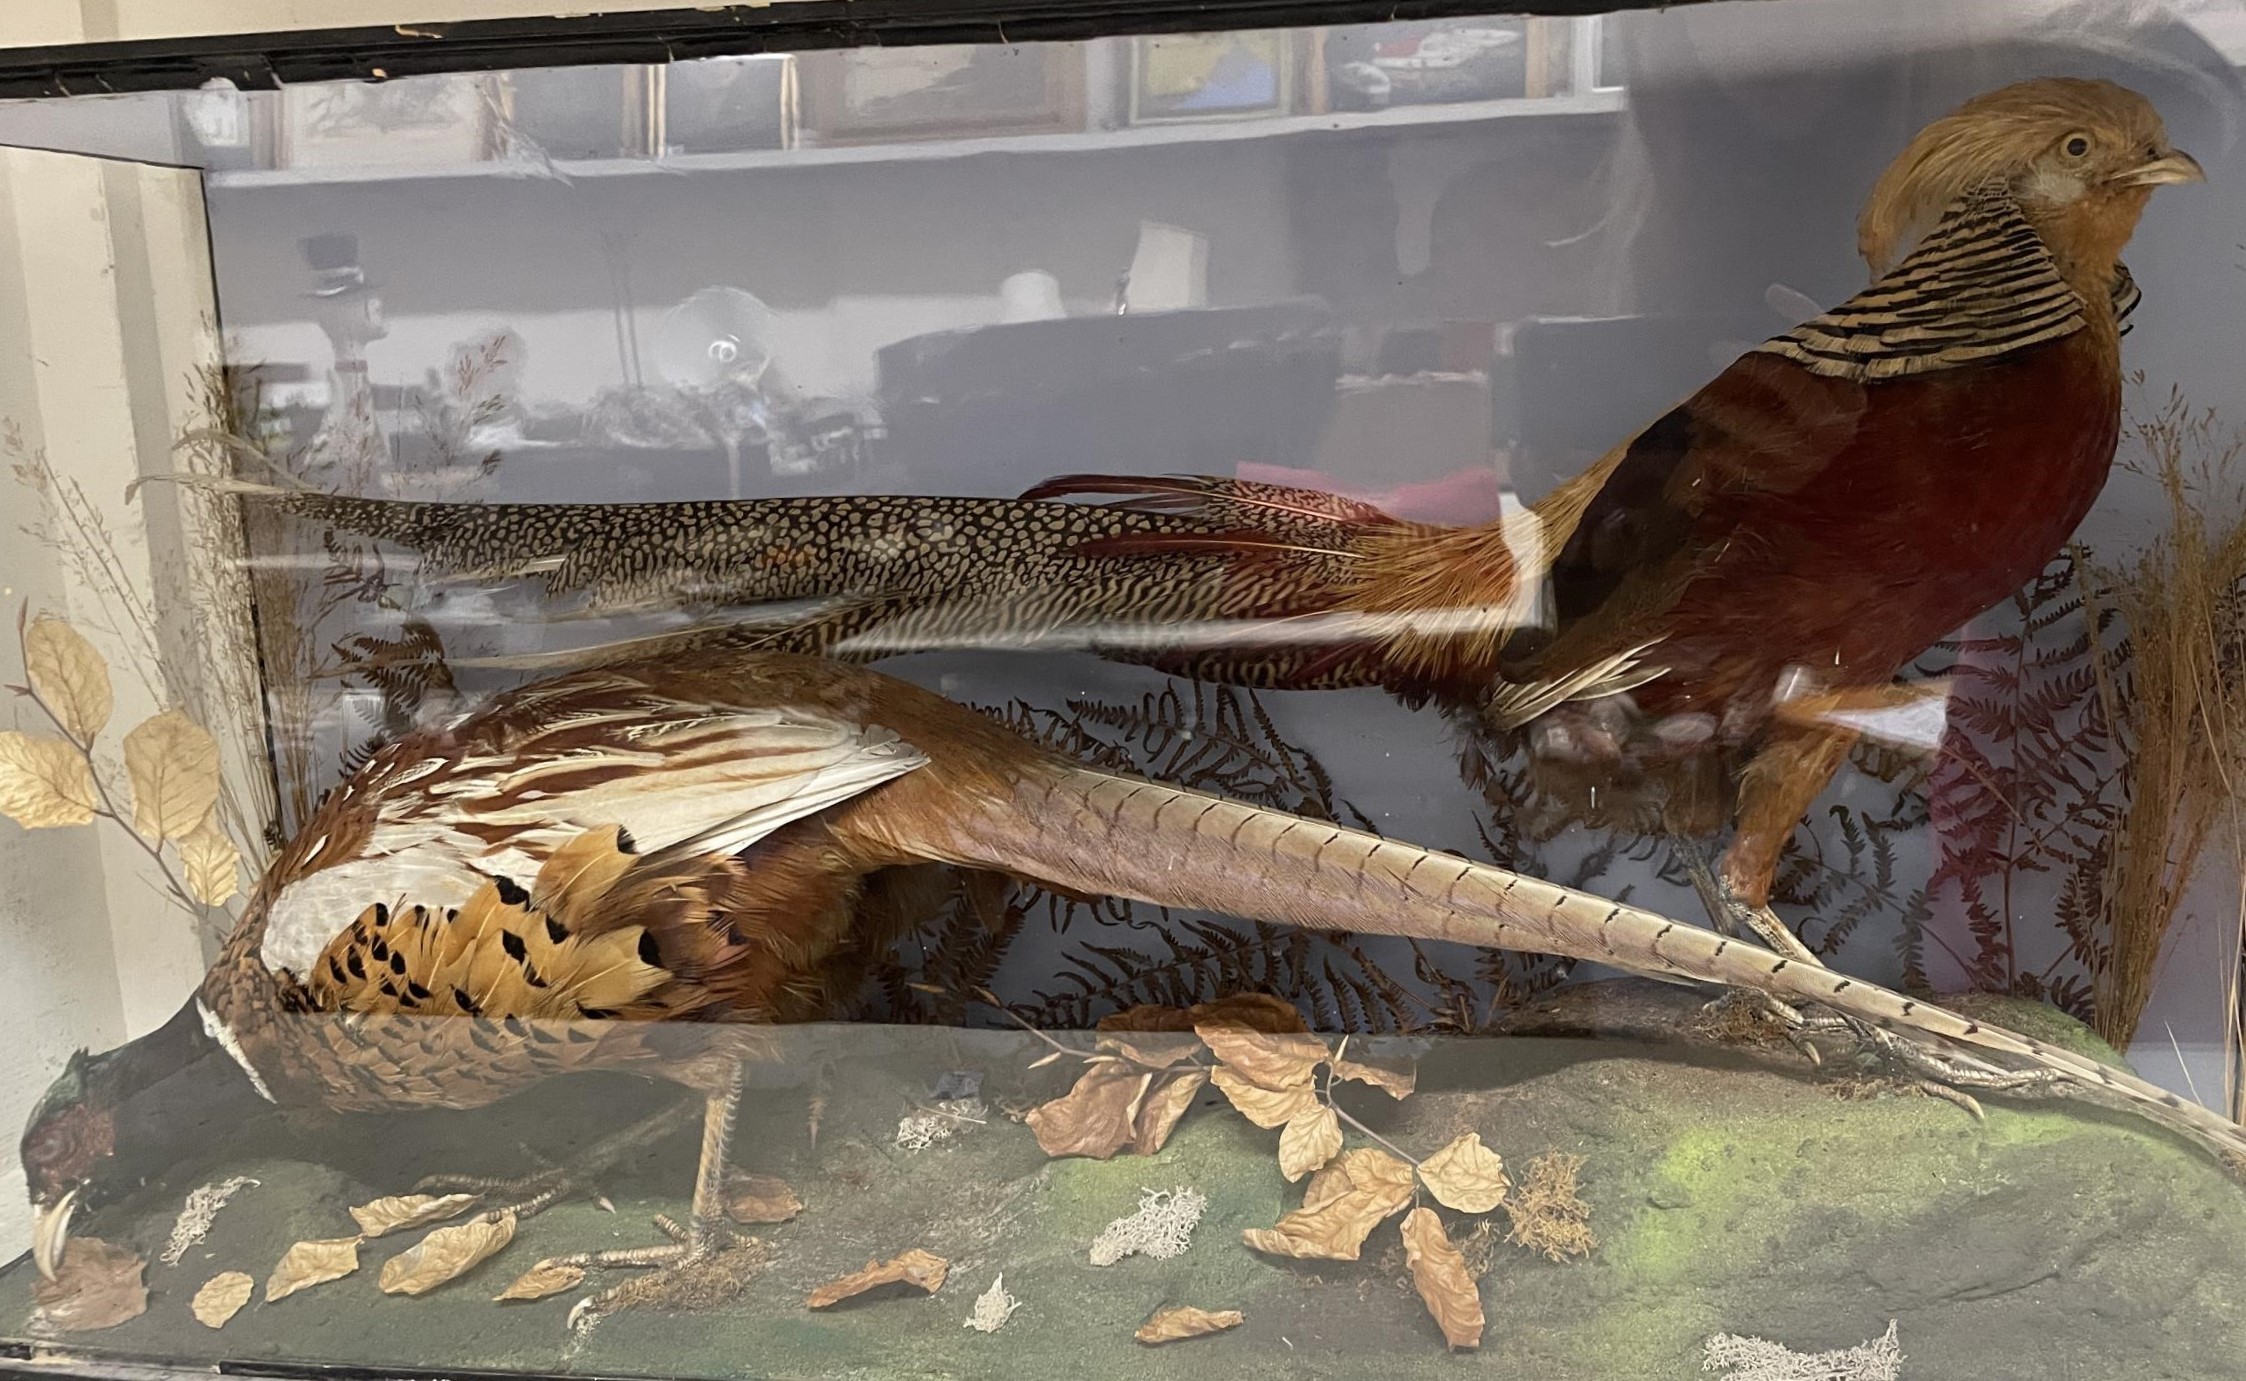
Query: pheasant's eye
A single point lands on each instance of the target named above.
(2077, 145)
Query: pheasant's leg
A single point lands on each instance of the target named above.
(1728, 915)
(526, 1195)
(706, 1261)
(1791, 771)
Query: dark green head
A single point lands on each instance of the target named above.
(113, 1121)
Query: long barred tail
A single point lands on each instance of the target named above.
(884, 575)
(1094, 832)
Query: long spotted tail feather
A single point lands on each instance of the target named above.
(1093, 832)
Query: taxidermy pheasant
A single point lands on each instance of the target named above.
(1727, 588)
(635, 867)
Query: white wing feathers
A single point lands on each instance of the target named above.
(674, 775)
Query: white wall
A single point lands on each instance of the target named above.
(105, 295)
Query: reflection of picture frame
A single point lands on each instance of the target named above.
(580, 112)
(1214, 76)
(433, 121)
(728, 104)
(1432, 62)
(877, 95)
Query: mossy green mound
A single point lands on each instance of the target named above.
(1730, 1192)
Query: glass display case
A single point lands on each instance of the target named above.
(1554, 694)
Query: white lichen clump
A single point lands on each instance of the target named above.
(993, 1307)
(1759, 1359)
(195, 1219)
(1162, 1228)
(921, 1130)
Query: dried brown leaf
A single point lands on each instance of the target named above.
(98, 1285)
(447, 1254)
(1439, 1274)
(44, 782)
(919, 1269)
(1397, 1081)
(545, 1278)
(759, 1198)
(213, 866)
(173, 764)
(1326, 1186)
(222, 1297)
(1251, 1011)
(1310, 1139)
(1184, 1321)
(1161, 1110)
(1152, 1049)
(1466, 1175)
(68, 676)
(1379, 1185)
(1274, 1061)
(385, 1216)
(312, 1263)
(1095, 1118)
(1266, 1107)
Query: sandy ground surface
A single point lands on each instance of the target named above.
(1730, 1193)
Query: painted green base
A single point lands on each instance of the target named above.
(1730, 1193)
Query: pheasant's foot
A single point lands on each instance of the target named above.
(705, 1265)
(533, 1193)
(1950, 1075)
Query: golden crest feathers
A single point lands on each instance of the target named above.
(1998, 133)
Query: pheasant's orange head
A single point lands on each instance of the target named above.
(2080, 155)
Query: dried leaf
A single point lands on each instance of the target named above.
(759, 1198)
(222, 1297)
(44, 782)
(385, 1216)
(1397, 1081)
(98, 1285)
(1466, 1175)
(1162, 1109)
(1311, 1138)
(1252, 1011)
(447, 1254)
(1326, 1186)
(1185, 1321)
(1439, 1274)
(1095, 1118)
(68, 676)
(1379, 1185)
(545, 1278)
(1266, 1107)
(1274, 1061)
(312, 1263)
(213, 866)
(173, 764)
(1152, 1049)
(919, 1269)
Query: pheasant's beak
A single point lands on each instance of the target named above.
(2172, 166)
(51, 1234)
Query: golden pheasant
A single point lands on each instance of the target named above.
(1819, 514)
(632, 868)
